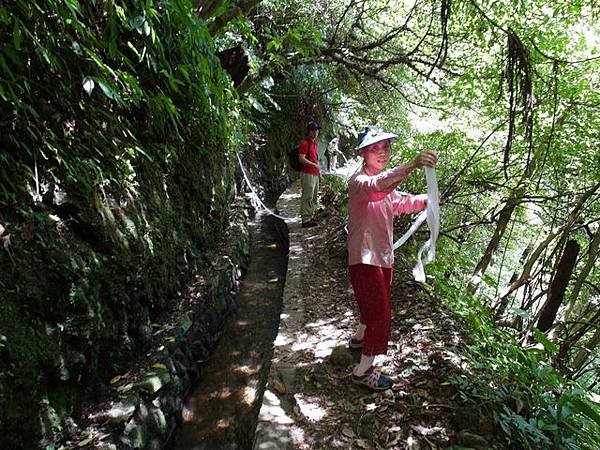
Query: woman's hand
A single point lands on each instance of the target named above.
(425, 159)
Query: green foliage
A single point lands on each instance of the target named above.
(335, 194)
(139, 76)
(533, 405)
(115, 119)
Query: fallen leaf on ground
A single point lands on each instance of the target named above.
(279, 387)
(361, 443)
(422, 393)
(85, 442)
(125, 388)
(349, 432)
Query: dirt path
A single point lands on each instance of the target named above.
(310, 402)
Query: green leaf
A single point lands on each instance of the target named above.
(74, 6)
(489, 281)
(257, 105)
(107, 89)
(17, 36)
(588, 408)
(542, 339)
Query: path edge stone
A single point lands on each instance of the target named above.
(276, 423)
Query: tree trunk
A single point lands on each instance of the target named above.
(501, 307)
(524, 277)
(526, 272)
(492, 246)
(514, 199)
(578, 332)
(558, 286)
(591, 260)
(584, 354)
(224, 19)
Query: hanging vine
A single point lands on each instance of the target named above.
(443, 51)
(520, 90)
(519, 82)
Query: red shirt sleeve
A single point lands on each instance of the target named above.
(303, 147)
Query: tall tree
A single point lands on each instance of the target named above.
(559, 284)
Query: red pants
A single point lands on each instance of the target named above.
(373, 291)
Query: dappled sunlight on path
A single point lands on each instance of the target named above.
(310, 402)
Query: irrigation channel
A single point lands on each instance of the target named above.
(221, 411)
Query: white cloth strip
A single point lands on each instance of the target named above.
(255, 195)
(416, 224)
(433, 222)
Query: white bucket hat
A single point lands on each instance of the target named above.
(371, 135)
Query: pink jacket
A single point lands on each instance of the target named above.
(373, 203)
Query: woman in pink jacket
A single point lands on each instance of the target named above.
(373, 203)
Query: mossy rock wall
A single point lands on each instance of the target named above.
(116, 185)
(117, 177)
(75, 306)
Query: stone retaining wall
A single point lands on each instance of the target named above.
(145, 402)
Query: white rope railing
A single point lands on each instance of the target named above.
(255, 195)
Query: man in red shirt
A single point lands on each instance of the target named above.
(309, 158)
